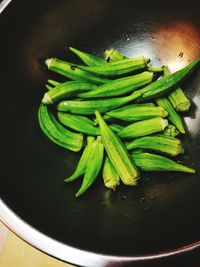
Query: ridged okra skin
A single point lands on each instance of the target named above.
(78, 123)
(117, 153)
(120, 86)
(118, 68)
(93, 166)
(56, 132)
(71, 71)
(88, 107)
(161, 143)
(66, 90)
(142, 128)
(87, 58)
(153, 162)
(81, 167)
(110, 176)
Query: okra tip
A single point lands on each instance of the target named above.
(47, 99)
(48, 62)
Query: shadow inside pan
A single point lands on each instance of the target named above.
(162, 213)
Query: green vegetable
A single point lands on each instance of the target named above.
(120, 86)
(88, 59)
(177, 97)
(53, 82)
(117, 68)
(161, 143)
(115, 127)
(81, 167)
(89, 106)
(65, 90)
(78, 123)
(152, 162)
(171, 131)
(137, 113)
(117, 153)
(56, 132)
(167, 83)
(142, 128)
(93, 167)
(114, 55)
(110, 176)
(174, 117)
(71, 71)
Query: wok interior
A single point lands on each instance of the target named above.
(160, 214)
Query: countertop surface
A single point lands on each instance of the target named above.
(15, 252)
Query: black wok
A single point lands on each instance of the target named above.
(158, 219)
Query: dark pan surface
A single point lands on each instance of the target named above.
(162, 213)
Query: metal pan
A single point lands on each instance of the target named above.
(160, 217)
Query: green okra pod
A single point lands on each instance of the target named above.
(56, 132)
(117, 153)
(110, 176)
(120, 86)
(174, 117)
(87, 58)
(137, 113)
(89, 106)
(114, 55)
(177, 97)
(71, 71)
(161, 143)
(53, 82)
(153, 162)
(168, 83)
(78, 123)
(65, 90)
(117, 68)
(116, 127)
(81, 167)
(142, 128)
(93, 167)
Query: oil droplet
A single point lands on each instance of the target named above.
(115, 221)
(127, 37)
(124, 197)
(134, 220)
(126, 215)
(152, 198)
(103, 204)
(141, 200)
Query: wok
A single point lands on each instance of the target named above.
(158, 219)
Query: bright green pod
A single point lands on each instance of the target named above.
(167, 83)
(160, 143)
(53, 82)
(81, 167)
(78, 123)
(88, 107)
(171, 130)
(93, 167)
(120, 86)
(110, 176)
(153, 162)
(117, 153)
(65, 90)
(137, 113)
(71, 71)
(142, 128)
(115, 127)
(177, 97)
(56, 132)
(174, 117)
(87, 58)
(117, 68)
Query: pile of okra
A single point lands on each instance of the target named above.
(125, 116)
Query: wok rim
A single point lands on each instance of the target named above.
(71, 254)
